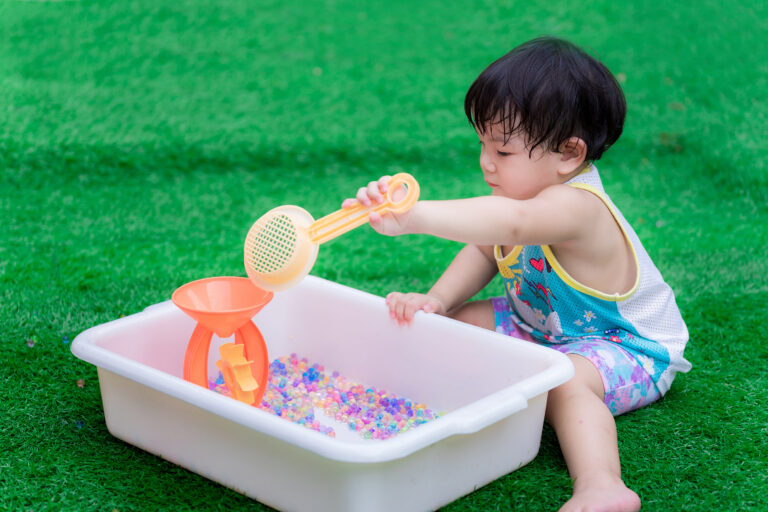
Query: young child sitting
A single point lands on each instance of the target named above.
(576, 277)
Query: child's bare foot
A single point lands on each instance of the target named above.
(601, 494)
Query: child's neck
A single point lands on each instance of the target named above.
(576, 172)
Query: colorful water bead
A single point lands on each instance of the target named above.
(296, 388)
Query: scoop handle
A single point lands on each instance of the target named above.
(346, 219)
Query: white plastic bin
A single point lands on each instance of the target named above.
(490, 389)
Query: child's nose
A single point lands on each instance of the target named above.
(486, 163)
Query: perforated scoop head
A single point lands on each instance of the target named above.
(278, 251)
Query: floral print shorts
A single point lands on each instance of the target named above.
(627, 385)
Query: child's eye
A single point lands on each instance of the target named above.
(503, 153)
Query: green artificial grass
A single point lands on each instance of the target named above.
(139, 140)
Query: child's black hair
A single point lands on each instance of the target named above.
(549, 90)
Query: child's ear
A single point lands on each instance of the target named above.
(572, 154)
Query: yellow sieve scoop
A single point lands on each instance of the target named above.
(282, 245)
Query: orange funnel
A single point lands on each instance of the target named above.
(225, 305)
(222, 304)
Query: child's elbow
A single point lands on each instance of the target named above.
(514, 229)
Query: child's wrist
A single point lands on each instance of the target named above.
(439, 300)
(414, 224)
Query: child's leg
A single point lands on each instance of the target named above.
(577, 411)
(492, 314)
(479, 313)
(586, 432)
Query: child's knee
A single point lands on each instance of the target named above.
(585, 384)
(575, 395)
(586, 376)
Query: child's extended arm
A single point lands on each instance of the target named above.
(557, 214)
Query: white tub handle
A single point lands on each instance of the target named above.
(488, 410)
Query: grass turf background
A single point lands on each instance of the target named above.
(139, 140)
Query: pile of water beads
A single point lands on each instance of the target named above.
(296, 389)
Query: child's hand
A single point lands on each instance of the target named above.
(402, 306)
(375, 193)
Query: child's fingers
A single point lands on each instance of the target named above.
(392, 300)
(374, 218)
(396, 301)
(370, 194)
(403, 307)
(402, 317)
(411, 308)
(374, 191)
(414, 302)
(384, 184)
(362, 196)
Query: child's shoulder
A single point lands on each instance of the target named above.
(573, 199)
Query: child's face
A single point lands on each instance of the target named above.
(511, 170)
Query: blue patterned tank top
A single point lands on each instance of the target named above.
(555, 308)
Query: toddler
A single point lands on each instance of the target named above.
(576, 277)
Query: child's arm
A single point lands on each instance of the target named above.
(559, 213)
(471, 269)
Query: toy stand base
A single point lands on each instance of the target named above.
(196, 356)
